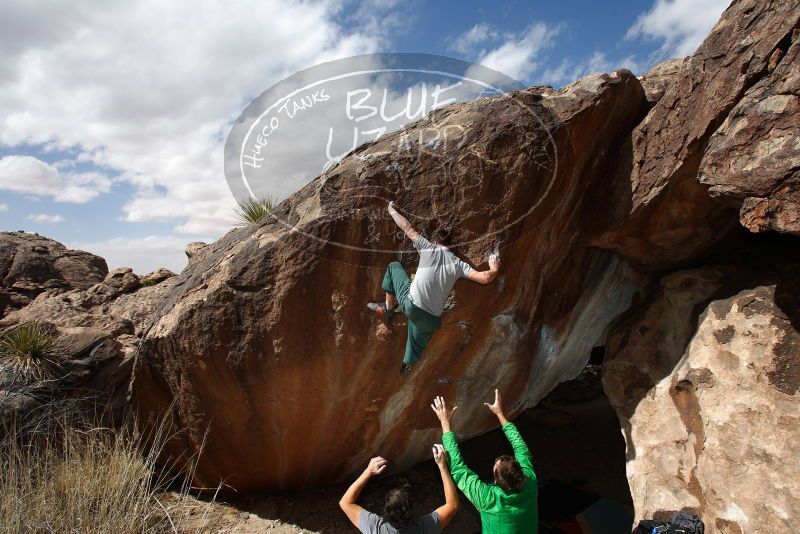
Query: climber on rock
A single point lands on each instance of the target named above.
(422, 301)
(509, 505)
(397, 510)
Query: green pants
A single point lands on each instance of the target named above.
(421, 324)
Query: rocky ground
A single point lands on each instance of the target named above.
(98, 316)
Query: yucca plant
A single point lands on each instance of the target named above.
(253, 209)
(31, 350)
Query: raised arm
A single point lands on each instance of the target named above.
(348, 501)
(402, 222)
(474, 488)
(486, 277)
(448, 510)
(521, 452)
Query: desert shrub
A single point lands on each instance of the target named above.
(31, 350)
(253, 210)
(76, 476)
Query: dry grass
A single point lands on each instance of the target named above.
(74, 477)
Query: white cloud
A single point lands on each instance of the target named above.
(44, 218)
(142, 254)
(518, 55)
(568, 70)
(149, 89)
(26, 174)
(3, 207)
(681, 24)
(384, 17)
(467, 42)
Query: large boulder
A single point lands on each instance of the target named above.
(753, 160)
(702, 375)
(31, 264)
(705, 381)
(738, 71)
(267, 357)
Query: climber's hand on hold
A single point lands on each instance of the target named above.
(494, 262)
(497, 407)
(439, 407)
(488, 276)
(376, 466)
(402, 222)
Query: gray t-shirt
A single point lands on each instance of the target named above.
(436, 275)
(369, 523)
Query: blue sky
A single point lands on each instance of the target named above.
(114, 116)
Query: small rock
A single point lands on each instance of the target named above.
(156, 277)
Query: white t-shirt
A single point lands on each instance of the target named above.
(436, 275)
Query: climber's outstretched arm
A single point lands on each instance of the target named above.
(402, 222)
(521, 452)
(348, 501)
(486, 277)
(448, 510)
(477, 491)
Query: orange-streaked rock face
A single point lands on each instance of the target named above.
(268, 345)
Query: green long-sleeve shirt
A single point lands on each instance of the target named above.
(501, 512)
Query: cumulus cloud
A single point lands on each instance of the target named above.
(518, 55)
(680, 24)
(149, 89)
(44, 218)
(142, 254)
(26, 174)
(513, 54)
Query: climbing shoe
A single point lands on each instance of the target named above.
(381, 309)
(405, 369)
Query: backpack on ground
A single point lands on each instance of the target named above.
(686, 523)
(683, 523)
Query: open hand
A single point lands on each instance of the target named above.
(439, 455)
(497, 407)
(376, 466)
(444, 414)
